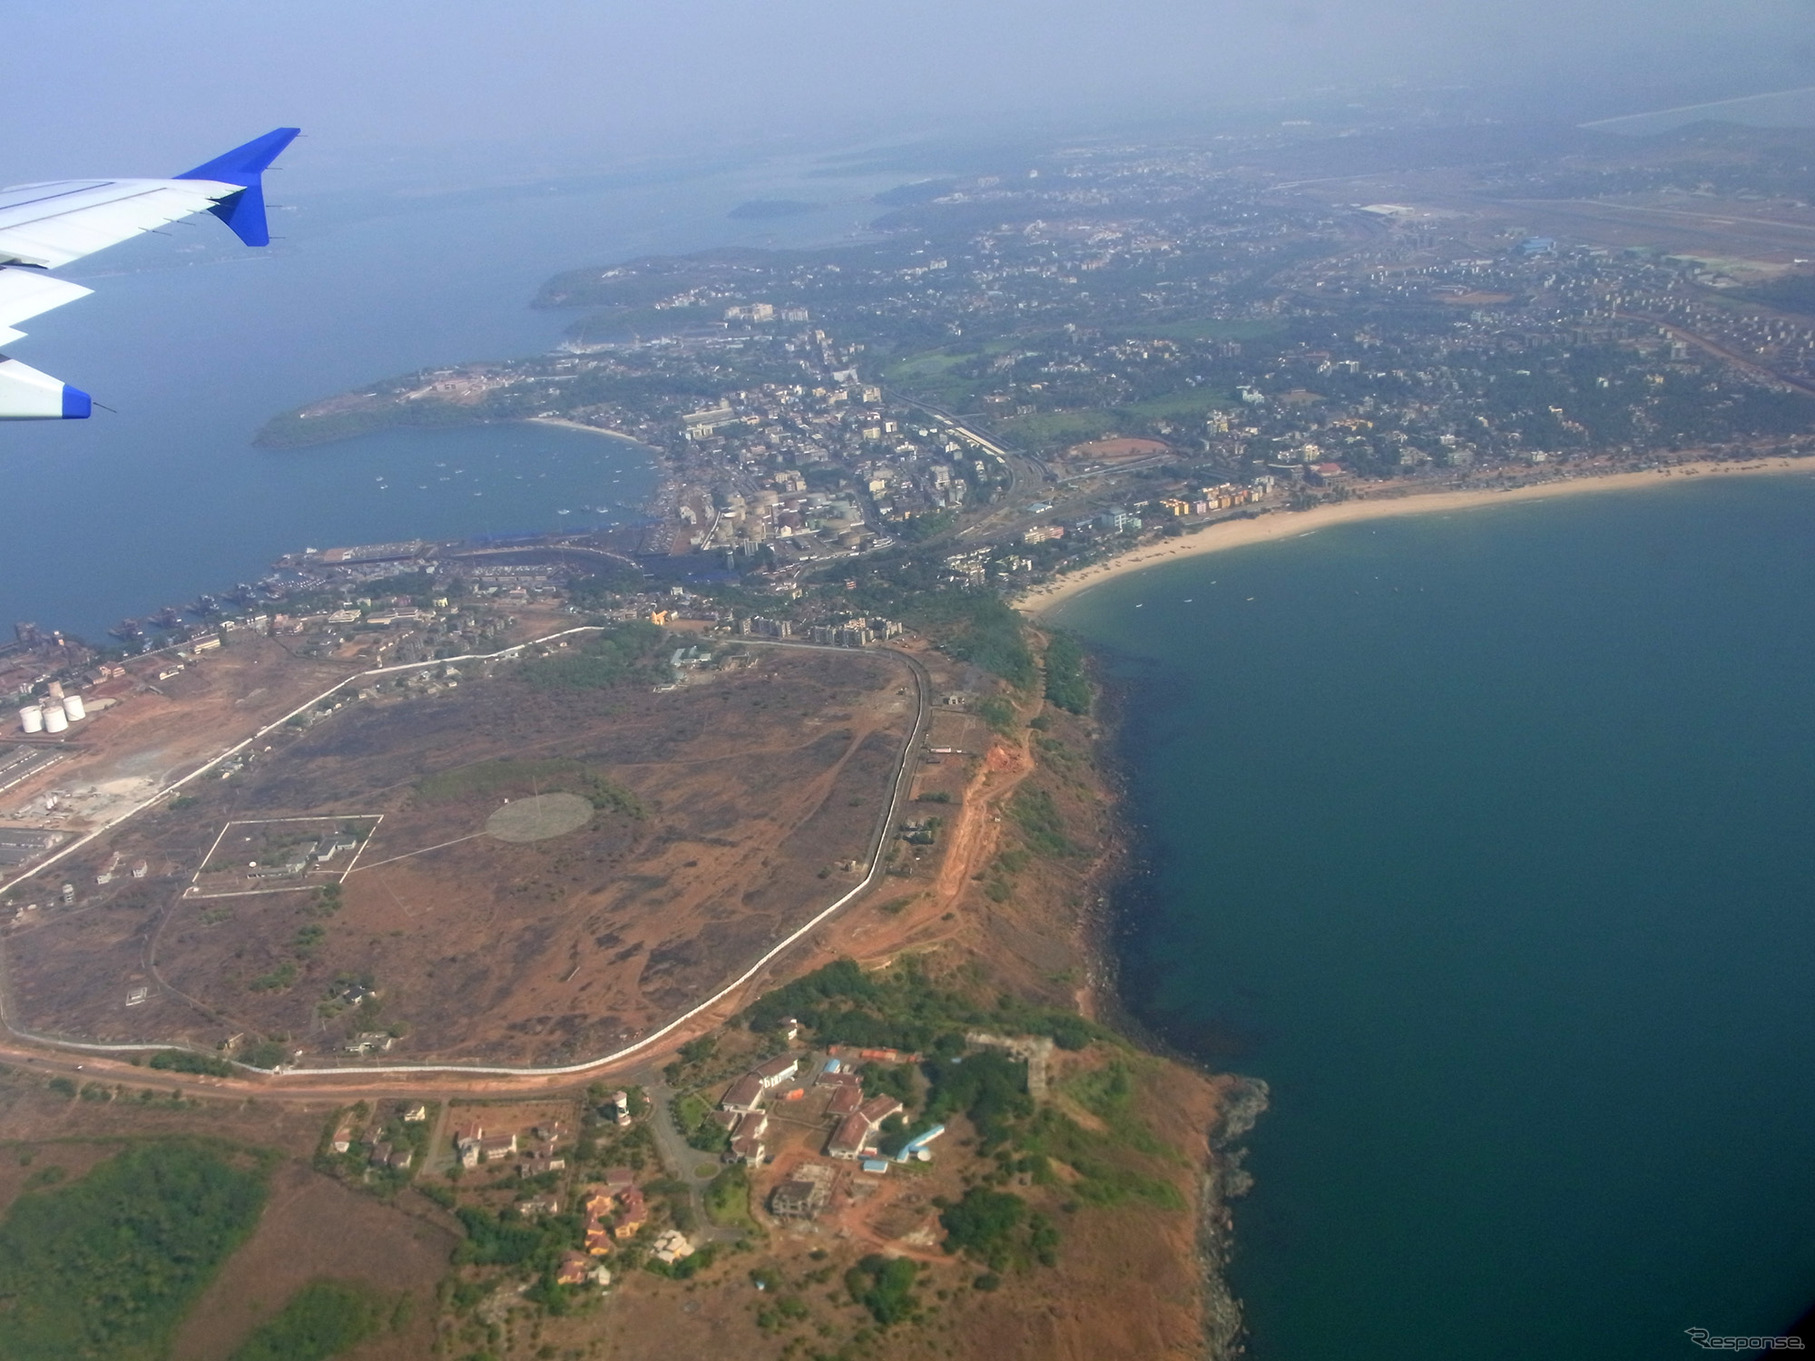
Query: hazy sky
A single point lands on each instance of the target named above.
(127, 86)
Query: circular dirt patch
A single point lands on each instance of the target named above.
(538, 818)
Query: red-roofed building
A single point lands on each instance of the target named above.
(879, 1108)
(574, 1269)
(852, 1134)
(746, 1094)
(633, 1213)
(747, 1140)
(496, 1147)
(776, 1071)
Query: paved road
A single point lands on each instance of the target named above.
(676, 1153)
(97, 1061)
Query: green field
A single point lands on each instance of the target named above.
(1046, 429)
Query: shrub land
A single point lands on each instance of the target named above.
(104, 1268)
(321, 1320)
(625, 656)
(1066, 683)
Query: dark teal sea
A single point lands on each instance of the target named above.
(1486, 839)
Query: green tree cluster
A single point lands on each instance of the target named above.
(884, 1286)
(321, 1320)
(1066, 683)
(626, 655)
(105, 1267)
(902, 1008)
(997, 1229)
(182, 1061)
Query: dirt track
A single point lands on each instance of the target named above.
(816, 793)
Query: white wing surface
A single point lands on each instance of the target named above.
(24, 293)
(43, 226)
(52, 224)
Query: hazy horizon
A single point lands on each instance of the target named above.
(116, 89)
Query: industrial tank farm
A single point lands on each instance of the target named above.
(53, 714)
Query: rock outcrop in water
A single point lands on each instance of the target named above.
(1243, 1102)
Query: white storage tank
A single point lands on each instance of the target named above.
(55, 720)
(31, 718)
(74, 709)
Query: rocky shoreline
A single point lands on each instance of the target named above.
(1241, 1101)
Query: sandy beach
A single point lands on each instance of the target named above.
(589, 429)
(1284, 524)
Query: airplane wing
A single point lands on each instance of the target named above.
(43, 226)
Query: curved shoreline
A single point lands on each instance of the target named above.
(589, 429)
(1283, 524)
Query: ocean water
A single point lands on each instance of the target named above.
(1485, 838)
(196, 342)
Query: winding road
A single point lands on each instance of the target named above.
(318, 1082)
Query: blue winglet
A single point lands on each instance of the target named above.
(244, 165)
(77, 404)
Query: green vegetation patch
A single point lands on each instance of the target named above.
(277, 980)
(728, 1199)
(1108, 1094)
(1066, 683)
(902, 1008)
(644, 321)
(1104, 1163)
(1038, 817)
(1193, 404)
(693, 1117)
(104, 1268)
(507, 1239)
(627, 655)
(321, 1320)
(884, 1286)
(997, 1229)
(1788, 292)
(1049, 429)
(981, 629)
(989, 1087)
(999, 712)
(182, 1061)
(297, 430)
(689, 1059)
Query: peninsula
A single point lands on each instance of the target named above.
(691, 933)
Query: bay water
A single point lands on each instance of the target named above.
(1485, 839)
(197, 341)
